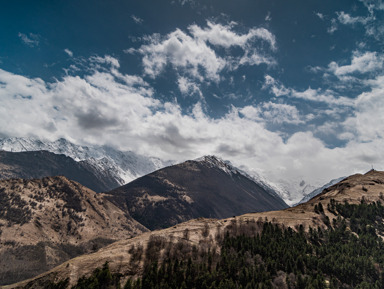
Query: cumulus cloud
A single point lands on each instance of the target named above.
(367, 123)
(31, 39)
(182, 52)
(196, 53)
(223, 35)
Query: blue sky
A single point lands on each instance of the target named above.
(290, 89)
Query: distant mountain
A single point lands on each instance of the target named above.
(208, 187)
(122, 166)
(44, 222)
(188, 240)
(38, 164)
(314, 193)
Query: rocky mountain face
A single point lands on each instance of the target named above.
(38, 164)
(208, 187)
(44, 222)
(128, 257)
(122, 167)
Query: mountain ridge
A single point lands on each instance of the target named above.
(207, 187)
(123, 166)
(127, 166)
(39, 164)
(123, 255)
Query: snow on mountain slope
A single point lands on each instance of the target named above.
(207, 187)
(125, 166)
(319, 190)
(227, 167)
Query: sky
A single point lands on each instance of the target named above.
(293, 90)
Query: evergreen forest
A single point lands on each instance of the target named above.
(349, 253)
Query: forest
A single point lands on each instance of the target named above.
(349, 253)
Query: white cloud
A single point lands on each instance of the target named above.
(181, 51)
(268, 17)
(223, 35)
(318, 95)
(183, 2)
(195, 53)
(361, 62)
(320, 15)
(374, 4)
(32, 40)
(315, 95)
(346, 19)
(276, 113)
(109, 60)
(276, 88)
(109, 107)
(367, 123)
(188, 87)
(69, 52)
(333, 26)
(137, 19)
(371, 23)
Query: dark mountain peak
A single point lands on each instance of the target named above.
(208, 187)
(38, 164)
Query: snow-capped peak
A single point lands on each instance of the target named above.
(126, 166)
(214, 161)
(227, 167)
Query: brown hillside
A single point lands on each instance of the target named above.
(44, 222)
(128, 256)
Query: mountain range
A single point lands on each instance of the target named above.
(130, 257)
(46, 221)
(39, 164)
(123, 167)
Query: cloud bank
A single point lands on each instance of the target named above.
(108, 107)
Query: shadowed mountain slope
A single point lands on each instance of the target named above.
(119, 166)
(38, 164)
(207, 188)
